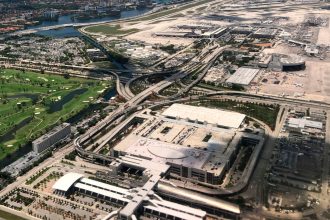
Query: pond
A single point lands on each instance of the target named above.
(110, 93)
(9, 135)
(58, 106)
(33, 97)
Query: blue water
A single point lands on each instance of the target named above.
(72, 32)
(58, 106)
(110, 93)
(66, 19)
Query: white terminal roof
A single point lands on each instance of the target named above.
(179, 207)
(104, 186)
(199, 198)
(243, 76)
(66, 181)
(162, 153)
(101, 192)
(303, 122)
(175, 213)
(203, 114)
(144, 163)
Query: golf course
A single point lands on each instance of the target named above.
(32, 103)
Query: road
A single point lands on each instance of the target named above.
(139, 98)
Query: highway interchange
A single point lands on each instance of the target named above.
(136, 102)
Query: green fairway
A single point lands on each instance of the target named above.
(31, 103)
(110, 30)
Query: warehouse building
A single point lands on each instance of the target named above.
(299, 124)
(265, 33)
(242, 30)
(54, 136)
(243, 76)
(264, 61)
(203, 115)
(215, 33)
(193, 34)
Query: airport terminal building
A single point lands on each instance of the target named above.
(195, 142)
(142, 200)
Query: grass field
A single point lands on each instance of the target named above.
(265, 113)
(171, 11)
(9, 216)
(31, 103)
(113, 30)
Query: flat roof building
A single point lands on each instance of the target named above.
(303, 123)
(265, 33)
(311, 50)
(264, 61)
(197, 114)
(215, 33)
(243, 76)
(190, 141)
(242, 30)
(54, 136)
(162, 152)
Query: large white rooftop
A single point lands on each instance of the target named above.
(243, 76)
(175, 213)
(303, 122)
(102, 192)
(162, 153)
(199, 198)
(203, 114)
(105, 186)
(144, 163)
(66, 181)
(179, 207)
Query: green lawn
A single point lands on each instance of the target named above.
(171, 11)
(9, 216)
(32, 97)
(110, 29)
(262, 112)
